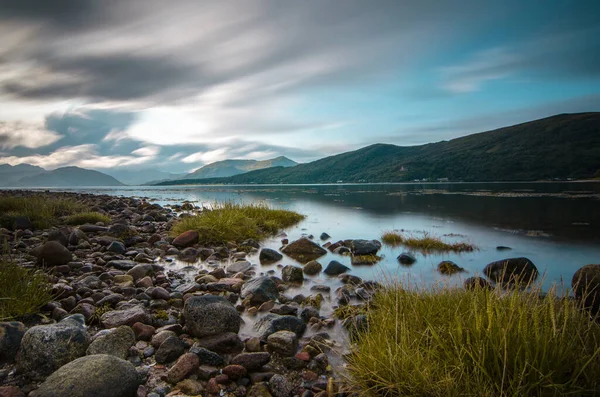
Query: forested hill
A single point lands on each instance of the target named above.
(562, 146)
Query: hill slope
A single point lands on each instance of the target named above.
(562, 146)
(226, 168)
(9, 175)
(68, 176)
(140, 177)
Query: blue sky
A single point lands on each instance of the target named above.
(175, 85)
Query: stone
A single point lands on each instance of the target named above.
(365, 247)
(169, 350)
(284, 343)
(76, 237)
(116, 343)
(472, 283)
(292, 274)
(11, 391)
(22, 223)
(511, 270)
(312, 268)
(160, 337)
(586, 286)
(259, 390)
(87, 228)
(281, 386)
(324, 236)
(272, 323)
(45, 348)
(210, 315)
(186, 239)
(128, 316)
(252, 361)
(121, 264)
(260, 290)
(226, 343)
(239, 267)
(54, 253)
(99, 375)
(58, 236)
(206, 356)
(334, 268)
(406, 258)
(449, 268)
(269, 256)
(117, 247)
(225, 284)
(234, 371)
(140, 271)
(143, 331)
(11, 334)
(304, 250)
(184, 366)
(190, 387)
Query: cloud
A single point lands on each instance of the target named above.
(13, 134)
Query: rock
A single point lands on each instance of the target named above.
(260, 290)
(140, 271)
(11, 334)
(234, 371)
(252, 361)
(268, 256)
(239, 267)
(59, 236)
(54, 253)
(22, 223)
(226, 343)
(160, 337)
(406, 258)
(292, 274)
(309, 312)
(128, 316)
(117, 247)
(206, 356)
(143, 331)
(449, 268)
(186, 239)
(324, 236)
(280, 386)
(365, 247)
(92, 228)
(122, 264)
(210, 315)
(476, 282)
(503, 248)
(190, 387)
(76, 237)
(511, 270)
(304, 250)
(364, 260)
(99, 375)
(312, 268)
(259, 390)
(10, 391)
(586, 285)
(116, 343)
(272, 323)
(284, 343)
(45, 348)
(334, 268)
(185, 365)
(169, 350)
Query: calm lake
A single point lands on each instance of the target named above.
(556, 225)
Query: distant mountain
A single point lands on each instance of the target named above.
(10, 175)
(68, 176)
(557, 147)
(141, 177)
(226, 168)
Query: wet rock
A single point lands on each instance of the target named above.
(128, 316)
(284, 343)
(272, 323)
(169, 350)
(472, 283)
(116, 343)
(334, 268)
(364, 247)
(226, 343)
(309, 312)
(260, 290)
(268, 256)
(449, 268)
(54, 253)
(292, 274)
(11, 334)
(140, 271)
(121, 264)
(184, 366)
(45, 348)
(586, 285)
(206, 356)
(239, 267)
(312, 268)
(210, 315)
(98, 375)
(324, 236)
(252, 361)
(304, 250)
(186, 239)
(503, 248)
(406, 258)
(511, 270)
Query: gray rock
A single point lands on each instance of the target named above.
(11, 334)
(511, 270)
(170, 350)
(226, 343)
(92, 228)
(45, 348)
(260, 290)
(268, 256)
(272, 323)
(122, 264)
(292, 274)
(210, 315)
(54, 253)
(98, 375)
(406, 258)
(239, 267)
(127, 316)
(117, 247)
(252, 361)
(309, 312)
(304, 250)
(324, 236)
(334, 268)
(116, 343)
(281, 386)
(365, 247)
(206, 356)
(312, 268)
(58, 236)
(284, 343)
(76, 237)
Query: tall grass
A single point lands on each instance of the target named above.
(87, 217)
(426, 243)
(42, 211)
(237, 222)
(453, 342)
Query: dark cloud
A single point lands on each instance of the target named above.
(62, 14)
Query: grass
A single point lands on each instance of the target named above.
(22, 291)
(452, 342)
(42, 211)
(237, 222)
(425, 243)
(87, 217)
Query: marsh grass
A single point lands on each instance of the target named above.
(426, 243)
(42, 211)
(87, 217)
(237, 222)
(22, 291)
(446, 341)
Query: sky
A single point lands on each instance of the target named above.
(174, 85)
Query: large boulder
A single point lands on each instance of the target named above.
(54, 253)
(116, 343)
(268, 256)
(586, 285)
(364, 247)
(186, 239)
(210, 315)
(11, 334)
(45, 348)
(99, 375)
(511, 270)
(312, 268)
(292, 274)
(260, 290)
(334, 268)
(272, 323)
(304, 250)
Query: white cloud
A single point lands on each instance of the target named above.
(32, 136)
(148, 151)
(206, 157)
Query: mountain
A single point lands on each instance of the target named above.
(141, 177)
(9, 175)
(226, 168)
(68, 176)
(558, 147)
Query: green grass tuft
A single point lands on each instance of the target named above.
(87, 217)
(452, 342)
(237, 222)
(426, 243)
(22, 291)
(42, 211)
